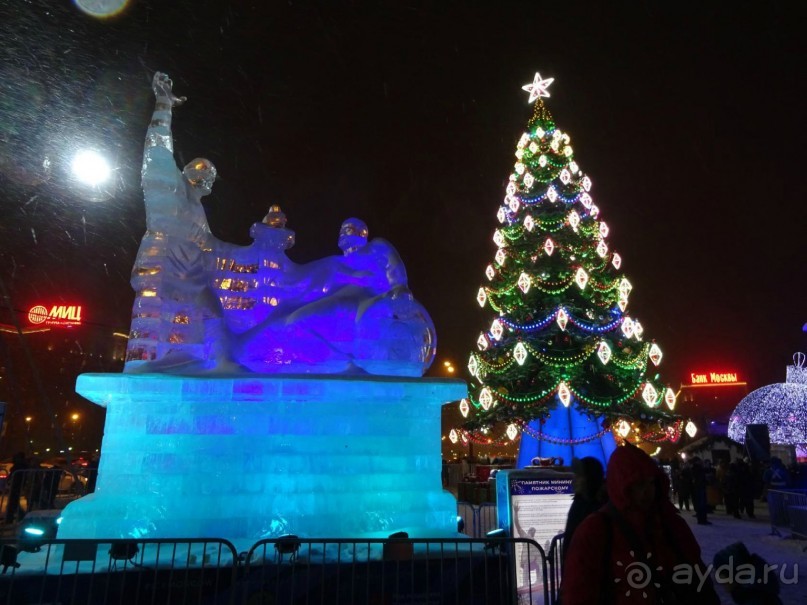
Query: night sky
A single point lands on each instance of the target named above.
(688, 117)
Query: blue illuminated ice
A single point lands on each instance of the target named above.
(204, 305)
(262, 397)
(259, 456)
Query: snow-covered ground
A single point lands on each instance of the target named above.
(756, 534)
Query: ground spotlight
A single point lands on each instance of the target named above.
(123, 551)
(288, 544)
(38, 527)
(398, 547)
(496, 543)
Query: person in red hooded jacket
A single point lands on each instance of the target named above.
(636, 548)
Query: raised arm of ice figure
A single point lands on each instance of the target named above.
(178, 318)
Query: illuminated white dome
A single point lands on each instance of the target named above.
(783, 407)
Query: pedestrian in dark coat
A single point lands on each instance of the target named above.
(639, 519)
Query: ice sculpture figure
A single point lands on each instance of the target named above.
(206, 305)
(260, 396)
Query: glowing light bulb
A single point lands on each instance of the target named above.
(616, 261)
(562, 318)
(604, 352)
(453, 436)
(473, 365)
(512, 432)
(529, 223)
(520, 353)
(496, 329)
(650, 395)
(669, 398)
(486, 398)
(602, 249)
(500, 256)
(581, 278)
(564, 394)
(528, 181)
(524, 282)
(490, 272)
(565, 176)
(655, 354)
(482, 342)
(549, 246)
(501, 215)
(623, 428)
(625, 286)
(574, 220)
(691, 429)
(498, 238)
(464, 408)
(481, 297)
(627, 327)
(586, 182)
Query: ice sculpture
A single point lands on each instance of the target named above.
(203, 305)
(260, 396)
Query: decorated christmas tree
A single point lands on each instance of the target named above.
(562, 361)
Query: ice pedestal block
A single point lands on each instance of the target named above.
(565, 429)
(250, 457)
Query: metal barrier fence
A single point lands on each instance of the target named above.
(554, 563)
(478, 519)
(788, 510)
(38, 489)
(286, 570)
(402, 571)
(93, 572)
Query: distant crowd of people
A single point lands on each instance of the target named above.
(701, 486)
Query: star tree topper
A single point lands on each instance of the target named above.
(538, 87)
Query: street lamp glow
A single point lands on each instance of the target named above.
(102, 9)
(91, 168)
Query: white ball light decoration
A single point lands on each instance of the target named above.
(781, 406)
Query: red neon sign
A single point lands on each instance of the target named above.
(58, 315)
(713, 378)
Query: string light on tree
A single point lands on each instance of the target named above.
(561, 350)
